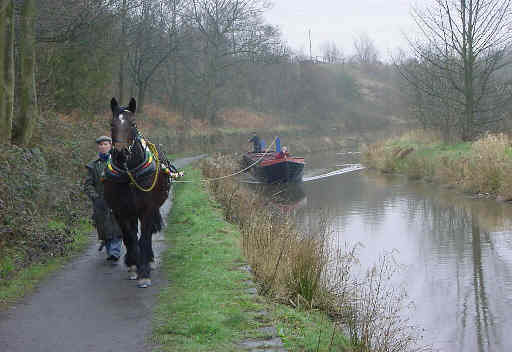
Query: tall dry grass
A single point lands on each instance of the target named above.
(489, 167)
(485, 168)
(300, 266)
(285, 261)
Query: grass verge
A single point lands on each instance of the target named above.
(23, 281)
(207, 306)
(480, 167)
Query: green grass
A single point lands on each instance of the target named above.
(25, 280)
(479, 167)
(440, 150)
(206, 306)
(425, 157)
(307, 330)
(430, 149)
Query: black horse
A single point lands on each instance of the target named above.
(136, 183)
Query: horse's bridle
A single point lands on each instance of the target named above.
(131, 135)
(130, 141)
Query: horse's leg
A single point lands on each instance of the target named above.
(150, 223)
(156, 226)
(129, 228)
(143, 266)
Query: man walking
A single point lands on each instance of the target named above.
(109, 232)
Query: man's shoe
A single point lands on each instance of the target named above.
(113, 258)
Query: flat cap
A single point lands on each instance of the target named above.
(103, 139)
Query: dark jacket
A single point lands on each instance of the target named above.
(102, 215)
(256, 144)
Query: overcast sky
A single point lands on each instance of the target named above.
(341, 21)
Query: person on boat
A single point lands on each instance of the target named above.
(109, 232)
(255, 140)
(278, 144)
(283, 153)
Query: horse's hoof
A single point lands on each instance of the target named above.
(133, 272)
(144, 283)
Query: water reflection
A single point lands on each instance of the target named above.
(287, 197)
(456, 250)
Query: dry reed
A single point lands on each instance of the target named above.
(300, 267)
(483, 169)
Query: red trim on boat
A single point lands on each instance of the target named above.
(270, 159)
(283, 160)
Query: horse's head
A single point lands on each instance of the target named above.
(123, 127)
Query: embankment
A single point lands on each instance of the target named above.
(43, 213)
(298, 267)
(481, 167)
(210, 303)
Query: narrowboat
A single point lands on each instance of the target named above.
(272, 167)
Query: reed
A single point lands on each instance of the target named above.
(481, 167)
(299, 266)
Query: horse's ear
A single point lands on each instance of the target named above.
(132, 105)
(114, 105)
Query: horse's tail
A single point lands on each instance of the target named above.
(156, 221)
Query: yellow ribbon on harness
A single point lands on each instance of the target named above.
(152, 149)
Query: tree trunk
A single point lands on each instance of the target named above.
(469, 104)
(141, 95)
(468, 59)
(27, 101)
(5, 127)
(6, 70)
(10, 72)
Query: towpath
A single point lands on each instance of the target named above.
(87, 306)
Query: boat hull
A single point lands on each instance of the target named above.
(271, 170)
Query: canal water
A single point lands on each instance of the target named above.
(455, 250)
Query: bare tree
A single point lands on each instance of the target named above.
(465, 47)
(125, 8)
(229, 32)
(330, 52)
(366, 52)
(433, 100)
(122, 43)
(152, 42)
(64, 21)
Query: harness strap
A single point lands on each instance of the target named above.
(152, 149)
